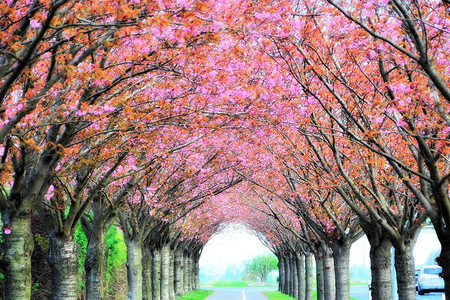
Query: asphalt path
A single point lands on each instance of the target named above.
(238, 293)
(254, 293)
(362, 293)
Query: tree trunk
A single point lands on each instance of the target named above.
(328, 275)
(404, 267)
(96, 263)
(294, 268)
(319, 275)
(309, 274)
(147, 265)
(341, 268)
(171, 275)
(380, 264)
(191, 271)
(19, 247)
(281, 284)
(301, 278)
(165, 271)
(156, 274)
(444, 262)
(196, 270)
(134, 270)
(178, 272)
(287, 272)
(63, 260)
(186, 272)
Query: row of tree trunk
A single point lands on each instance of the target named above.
(332, 272)
(161, 270)
(156, 272)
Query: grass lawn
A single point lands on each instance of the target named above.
(276, 295)
(229, 284)
(196, 295)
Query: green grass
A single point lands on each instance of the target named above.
(229, 284)
(276, 295)
(196, 295)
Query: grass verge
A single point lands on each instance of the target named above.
(196, 295)
(277, 295)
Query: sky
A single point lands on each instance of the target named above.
(231, 247)
(234, 245)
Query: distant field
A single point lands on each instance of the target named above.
(235, 283)
(229, 283)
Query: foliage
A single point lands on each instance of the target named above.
(81, 240)
(260, 266)
(117, 258)
(196, 295)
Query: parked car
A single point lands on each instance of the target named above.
(429, 280)
(416, 275)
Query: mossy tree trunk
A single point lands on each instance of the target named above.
(19, 247)
(63, 259)
(147, 264)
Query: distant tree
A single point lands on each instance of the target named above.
(260, 266)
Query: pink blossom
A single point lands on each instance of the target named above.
(34, 24)
(401, 123)
(378, 120)
(7, 230)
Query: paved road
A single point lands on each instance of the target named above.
(238, 293)
(362, 293)
(254, 293)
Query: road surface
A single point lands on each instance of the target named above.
(254, 293)
(362, 293)
(238, 293)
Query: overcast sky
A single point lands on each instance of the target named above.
(234, 245)
(231, 247)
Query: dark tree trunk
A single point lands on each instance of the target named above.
(319, 275)
(294, 267)
(147, 265)
(63, 260)
(287, 271)
(444, 262)
(281, 284)
(19, 248)
(196, 270)
(380, 264)
(96, 263)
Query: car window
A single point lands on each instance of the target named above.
(432, 271)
